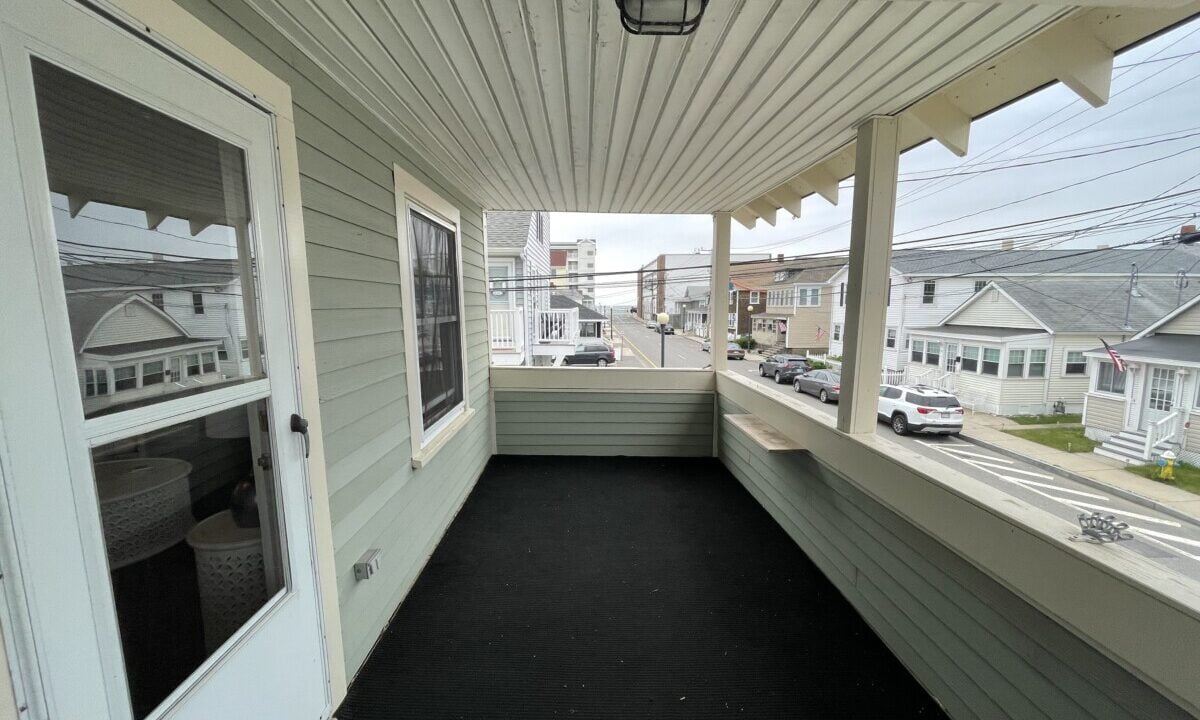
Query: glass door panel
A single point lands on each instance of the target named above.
(161, 546)
(191, 535)
(153, 225)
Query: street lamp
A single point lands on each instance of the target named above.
(663, 319)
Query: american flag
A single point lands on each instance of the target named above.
(1118, 361)
(820, 332)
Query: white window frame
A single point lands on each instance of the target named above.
(412, 194)
(837, 331)
(511, 264)
(1045, 362)
(889, 338)
(1066, 361)
(1095, 383)
(929, 292)
(1024, 361)
(732, 323)
(755, 297)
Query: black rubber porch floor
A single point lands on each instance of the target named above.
(625, 588)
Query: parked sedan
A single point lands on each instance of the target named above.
(651, 324)
(825, 384)
(733, 351)
(783, 367)
(665, 329)
(591, 353)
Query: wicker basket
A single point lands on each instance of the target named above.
(229, 568)
(145, 505)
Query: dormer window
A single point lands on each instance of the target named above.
(780, 275)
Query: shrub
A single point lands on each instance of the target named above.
(747, 342)
(817, 365)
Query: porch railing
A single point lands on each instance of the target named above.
(892, 377)
(558, 326)
(507, 328)
(1160, 431)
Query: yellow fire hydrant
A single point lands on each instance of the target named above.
(1166, 466)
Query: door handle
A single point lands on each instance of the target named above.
(300, 425)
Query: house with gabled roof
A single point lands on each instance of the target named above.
(1018, 345)
(794, 313)
(518, 246)
(1153, 405)
(926, 283)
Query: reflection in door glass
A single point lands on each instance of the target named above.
(154, 240)
(192, 540)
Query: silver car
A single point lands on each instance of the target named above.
(825, 384)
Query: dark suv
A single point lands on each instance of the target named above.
(783, 367)
(591, 353)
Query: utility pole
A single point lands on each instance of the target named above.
(663, 319)
(1133, 273)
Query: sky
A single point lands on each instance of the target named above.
(1154, 101)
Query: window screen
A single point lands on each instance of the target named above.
(439, 340)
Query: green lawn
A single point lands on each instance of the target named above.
(1070, 439)
(1186, 476)
(1046, 419)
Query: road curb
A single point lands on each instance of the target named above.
(1084, 479)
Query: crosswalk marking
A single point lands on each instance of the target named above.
(1030, 473)
(1124, 513)
(958, 452)
(1158, 538)
(1056, 488)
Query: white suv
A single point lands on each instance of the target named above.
(915, 408)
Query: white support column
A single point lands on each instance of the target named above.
(875, 167)
(718, 292)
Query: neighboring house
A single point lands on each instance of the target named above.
(592, 323)
(1018, 346)
(204, 297)
(663, 281)
(573, 263)
(693, 310)
(127, 349)
(1154, 405)
(926, 284)
(518, 246)
(795, 312)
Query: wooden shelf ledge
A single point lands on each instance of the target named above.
(764, 435)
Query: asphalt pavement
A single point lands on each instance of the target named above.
(1164, 539)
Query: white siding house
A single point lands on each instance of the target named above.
(518, 246)
(1014, 348)
(1154, 405)
(927, 284)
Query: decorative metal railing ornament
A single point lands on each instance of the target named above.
(1101, 529)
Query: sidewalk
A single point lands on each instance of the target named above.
(988, 430)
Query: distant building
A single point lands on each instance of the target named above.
(573, 264)
(662, 283)
(518, 245)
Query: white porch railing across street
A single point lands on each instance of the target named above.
(892, 377)
(1160, 431)
(558, 326)
(507, 328)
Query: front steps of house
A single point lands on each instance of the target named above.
(1127, 446)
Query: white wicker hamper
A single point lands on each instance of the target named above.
(145, 505)
(229, 569)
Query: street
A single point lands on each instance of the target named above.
(1162, 538)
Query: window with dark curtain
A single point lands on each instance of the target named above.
(435, 291)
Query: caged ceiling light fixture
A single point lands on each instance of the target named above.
(661, 17)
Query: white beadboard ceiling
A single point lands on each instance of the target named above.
(550, 105)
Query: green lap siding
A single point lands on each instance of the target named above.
(979, 649)
(376, 499)
(604, 423)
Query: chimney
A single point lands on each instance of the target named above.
(779, 257)
(1102, 246)
(1187, 230)
(1006, 244)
